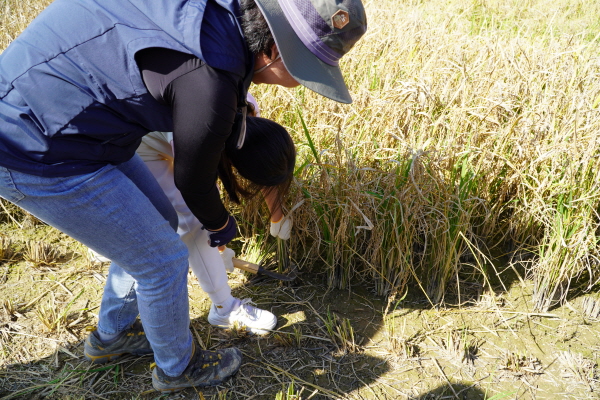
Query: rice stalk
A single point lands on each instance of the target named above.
(6, 249)
(452, 148)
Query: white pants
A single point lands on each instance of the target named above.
(205, 261)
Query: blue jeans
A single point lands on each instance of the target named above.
(122, 213)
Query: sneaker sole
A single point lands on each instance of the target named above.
(254, 330)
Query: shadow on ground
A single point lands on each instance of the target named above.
(329, 344)
(306, 356)
(457, 391)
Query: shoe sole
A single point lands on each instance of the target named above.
(104, 358)
(163, 389)
(252, 330)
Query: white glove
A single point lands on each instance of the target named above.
(283, 228)
(227, 256)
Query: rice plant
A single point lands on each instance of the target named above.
(472, 132)
(340, 332)
(289, 339)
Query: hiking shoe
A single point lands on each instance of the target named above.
(243, 314)
(130, 341)
(206, 368)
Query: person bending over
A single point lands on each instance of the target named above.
(87, 79)
(266, 163)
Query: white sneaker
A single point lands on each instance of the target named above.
(255, 320)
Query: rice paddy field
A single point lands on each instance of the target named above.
(446, 226)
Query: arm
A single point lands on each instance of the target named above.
(204, 103)
(273, 203)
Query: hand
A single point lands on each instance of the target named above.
(224, 235)
(227, 255)
(282, 228)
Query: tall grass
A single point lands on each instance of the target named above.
(473, 132)
(474, 126)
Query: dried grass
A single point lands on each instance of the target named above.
(464, 140)
(579, 368)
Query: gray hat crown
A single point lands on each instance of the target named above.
(312, 36)
(338, 23)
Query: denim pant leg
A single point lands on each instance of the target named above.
(115, 211)
(119, 307)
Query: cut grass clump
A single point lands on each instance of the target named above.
(520, 365)
(40, 253)
(56, 317)
(6, 249)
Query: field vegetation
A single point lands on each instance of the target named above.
(446, 225)
(473, 138)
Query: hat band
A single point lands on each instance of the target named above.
(307, 35)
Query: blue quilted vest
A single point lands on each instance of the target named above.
(71, 96)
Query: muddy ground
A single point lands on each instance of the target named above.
(329, 343)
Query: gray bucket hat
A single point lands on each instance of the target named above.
(312, 36)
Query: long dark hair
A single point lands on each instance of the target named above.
(265, 161)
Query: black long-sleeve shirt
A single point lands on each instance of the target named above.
(204, 102)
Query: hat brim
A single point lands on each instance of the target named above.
(303, 65)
